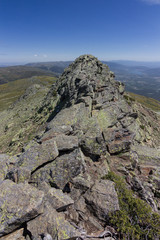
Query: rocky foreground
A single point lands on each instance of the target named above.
(57, 188)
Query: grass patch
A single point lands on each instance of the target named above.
(135, 219)
(11, 91)
(147, 102)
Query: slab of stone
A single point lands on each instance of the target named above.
(102, 199)
(118, 140)
(82, 182)
(58, 200)
(69, 116)
(53, 223)
(147, 155)
(59, 172)
(63, 129)
(36, 154)
(17, 235)
(64, 142)
(18, 203)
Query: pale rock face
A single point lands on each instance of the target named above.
(53, 223)
(47, 237)
(102, 199)
(19, 203)
(36, 154)
(60, 171)
(17, 235)
(58, 200)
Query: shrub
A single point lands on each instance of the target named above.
(142, 127)
(135, 219)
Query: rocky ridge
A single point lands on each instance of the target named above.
(58, 177)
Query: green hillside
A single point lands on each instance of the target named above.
(8, 74)
(11, 91)
(147, 102)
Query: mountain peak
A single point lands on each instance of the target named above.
(85, 77)
(88, 63)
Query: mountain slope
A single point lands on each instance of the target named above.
(147, 102)
(12, 90)
(20, 120)
(93, 165)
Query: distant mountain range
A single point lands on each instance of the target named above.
(139, 77)
(57, 67)
(137, 63)
(13, 73)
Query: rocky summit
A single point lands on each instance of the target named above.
(93, 166)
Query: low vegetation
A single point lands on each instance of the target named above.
(8, 74)
(11, 91)
(146, 101)
(135, 219)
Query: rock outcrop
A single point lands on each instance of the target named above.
(56, 184)
(19, 203)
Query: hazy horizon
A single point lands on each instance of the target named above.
(38, 31)
(151, 64)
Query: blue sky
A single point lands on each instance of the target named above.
(48, 30)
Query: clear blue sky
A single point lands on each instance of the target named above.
(46, 30)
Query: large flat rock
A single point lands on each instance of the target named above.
(63, 141)
(118, 140)
(36, 154)
(53, 223)
(102, 199)
(58, 200)
(59, 172)
(18, 203)
(147, 155)
(17, 235)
